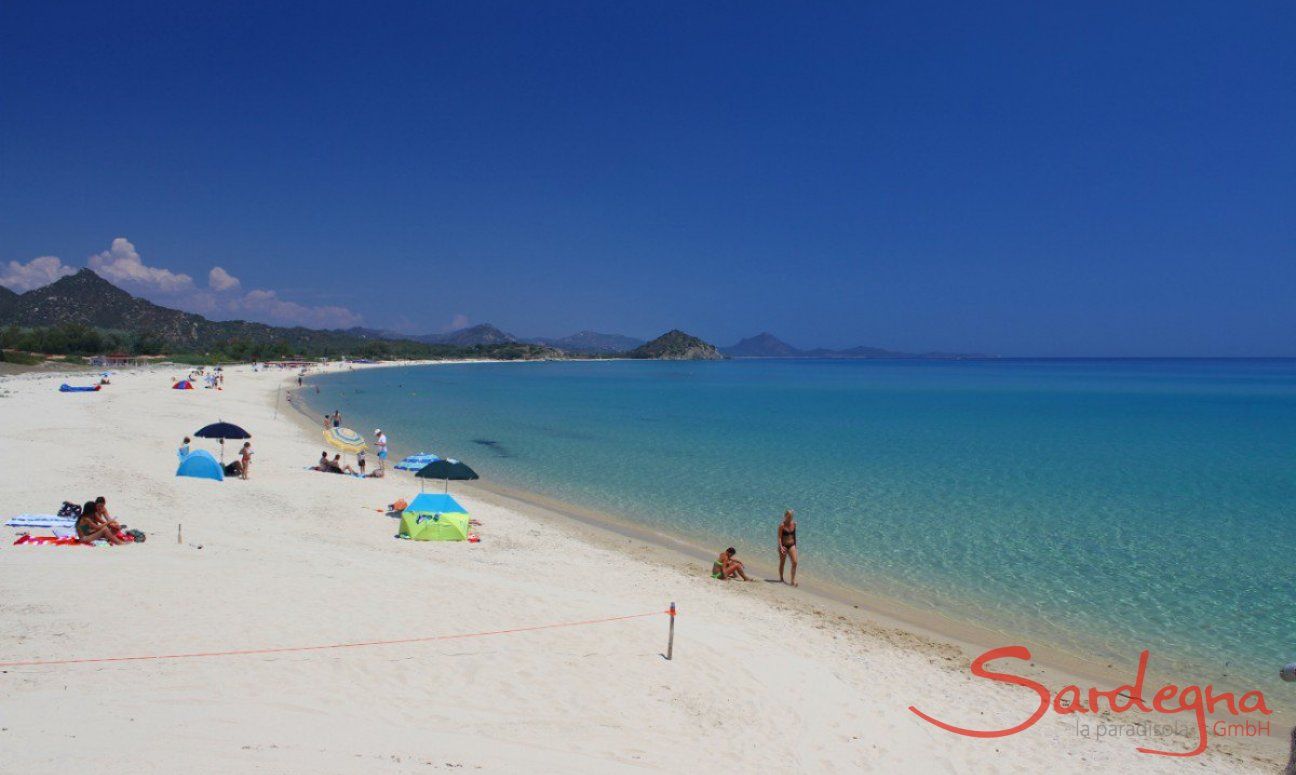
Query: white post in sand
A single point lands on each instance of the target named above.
(670, 642)
(179, 533)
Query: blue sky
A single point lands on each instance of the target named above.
(1025, 179)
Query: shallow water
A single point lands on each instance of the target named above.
(1103, 507)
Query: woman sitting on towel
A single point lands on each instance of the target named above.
(89, 529)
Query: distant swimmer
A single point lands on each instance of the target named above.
(787, 547)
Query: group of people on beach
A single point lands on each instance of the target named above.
(240, 467)
(95, 524)
(727, 565)
(337, 466)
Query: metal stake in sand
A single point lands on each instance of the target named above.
(179, 533)
(670, 641)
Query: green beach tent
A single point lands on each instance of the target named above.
(434, 517)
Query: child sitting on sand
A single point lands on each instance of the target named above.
(727, 567)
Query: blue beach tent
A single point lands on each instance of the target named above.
(201, 464)
(435, 503)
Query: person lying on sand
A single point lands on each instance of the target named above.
(727, 567)
(89, 529)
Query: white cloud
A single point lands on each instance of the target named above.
(220, 280)
(267, 307)
(121, 264)
(223, 298)
(33, 274)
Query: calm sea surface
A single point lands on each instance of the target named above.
(1098, 506)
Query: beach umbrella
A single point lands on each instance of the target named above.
(417, 462)
(447, 469)
(345, 439)
(222, 431)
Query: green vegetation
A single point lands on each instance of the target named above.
(22, 359)
(77, 339)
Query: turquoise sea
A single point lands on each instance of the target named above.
(1100, 506)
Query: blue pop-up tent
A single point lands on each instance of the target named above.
(201, 464)
(435, 503)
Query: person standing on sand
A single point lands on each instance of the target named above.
(326, 422)
(337, 418)
(245, 456)
(380, 441)
(787, 544)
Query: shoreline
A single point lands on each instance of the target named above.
(950, 640)
(499, 656)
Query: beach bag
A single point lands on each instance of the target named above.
(69, 509)
(138, 535)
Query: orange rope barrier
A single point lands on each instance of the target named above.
(286, 649)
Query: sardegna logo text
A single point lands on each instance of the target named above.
(1170, 700)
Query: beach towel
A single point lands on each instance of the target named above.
(66, 388)
(41, 521)
(31, 540)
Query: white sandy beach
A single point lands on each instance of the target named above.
(762, 680)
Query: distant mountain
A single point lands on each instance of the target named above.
(677, 346)
(7, 300)
(469, 337)
(591, 343)
(763, 345)
(766, 345)
(87, 299)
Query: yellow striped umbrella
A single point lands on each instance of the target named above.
(345, 439)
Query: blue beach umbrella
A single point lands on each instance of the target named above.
(417, 462)
(222, 431)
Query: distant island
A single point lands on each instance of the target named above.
(766, 345)
(676, 345)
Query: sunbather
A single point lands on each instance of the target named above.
(89, 529)
(101, 509)
(727, 567)
(338, 467)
